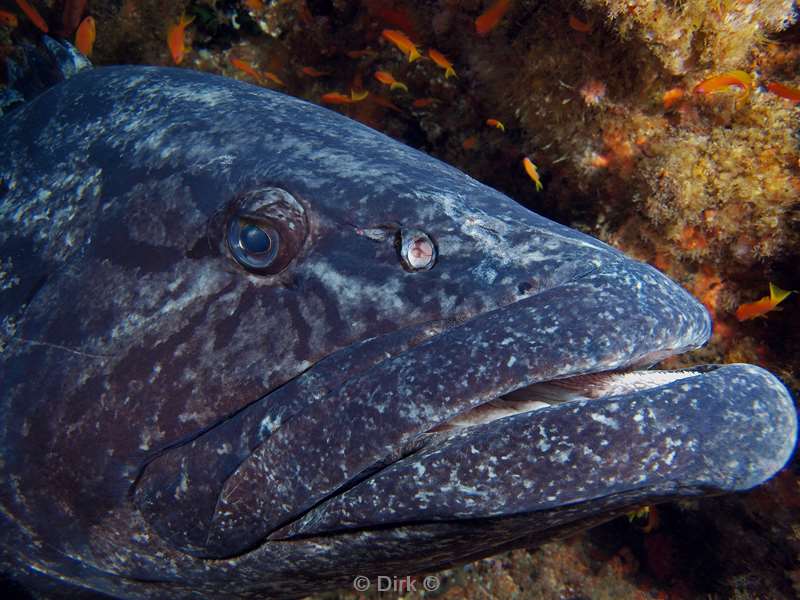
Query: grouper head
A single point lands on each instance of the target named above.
(253, 347)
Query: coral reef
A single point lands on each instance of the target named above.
(719, 34)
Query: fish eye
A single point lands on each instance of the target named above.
(254, 245)
(417, 250)
(264, 230)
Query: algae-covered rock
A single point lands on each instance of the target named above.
(718, 34)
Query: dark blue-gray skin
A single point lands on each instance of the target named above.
(252, 348)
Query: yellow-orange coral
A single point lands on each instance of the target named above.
(720, 33)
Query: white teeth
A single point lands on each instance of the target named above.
(603, 385)
(543, 395)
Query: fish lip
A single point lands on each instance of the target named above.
(750, 439)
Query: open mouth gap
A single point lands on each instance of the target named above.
(537, 396)
(526, 399)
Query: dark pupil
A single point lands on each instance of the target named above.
(254, 239)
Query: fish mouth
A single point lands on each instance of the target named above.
(509, 401)
(583, 449)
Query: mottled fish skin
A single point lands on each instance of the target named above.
(173, 425)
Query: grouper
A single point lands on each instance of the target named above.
(252, 348)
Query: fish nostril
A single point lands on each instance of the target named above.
(417, 250)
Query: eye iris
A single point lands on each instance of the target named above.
(254, 239)
(254, 245)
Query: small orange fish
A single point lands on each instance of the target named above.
(423, 102)
(784, 91)
(33, 15)
(335, 98)
(578, 25)
(175, 38)
(274, 78)
(388, 79)
(469, 143)
(721, 83)
(339, 98)
(759, 308)
(496, 124)
(245, 67)
(84, 36)
(440, 60)
(8, 19)
(312, 72)
(491, 17)
(671, 97)
(400, 39)
(532, 172)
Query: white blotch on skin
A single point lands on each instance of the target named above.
(608, 421)
(183, 486)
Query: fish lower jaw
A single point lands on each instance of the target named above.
(543, 395)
